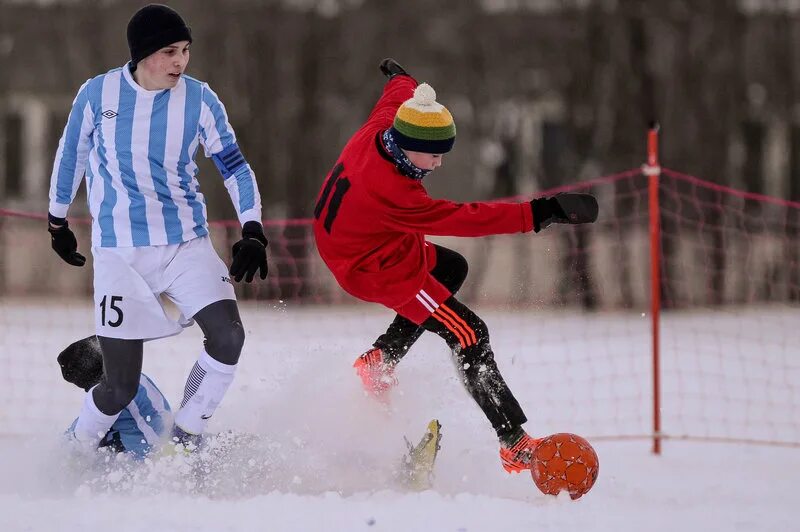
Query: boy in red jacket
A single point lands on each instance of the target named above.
(371, 219)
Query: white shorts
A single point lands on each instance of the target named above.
(128, 283)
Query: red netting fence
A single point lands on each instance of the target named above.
(578, 299)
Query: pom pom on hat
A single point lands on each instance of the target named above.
(422, 124)
(424, 94)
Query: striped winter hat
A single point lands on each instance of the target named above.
(422, 124)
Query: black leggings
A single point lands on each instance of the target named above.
(450, 270)
(468, 338)
(122, 359)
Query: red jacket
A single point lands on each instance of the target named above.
(371, 220)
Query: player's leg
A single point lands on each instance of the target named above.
(376, 366)
(126, 311)
(450, 269)
(122, 366)
(198, 283)
(81, 364)
(223, 331)
(212, 374)
(468, 337)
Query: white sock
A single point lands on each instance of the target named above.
(92, 424)
(206, 386)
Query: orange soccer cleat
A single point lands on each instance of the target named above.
(377, 376)
(519, 456)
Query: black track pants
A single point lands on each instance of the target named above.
(450, 270)
(468, 338)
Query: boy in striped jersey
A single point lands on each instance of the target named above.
(141, 425)
(134, 132)
(372, 216)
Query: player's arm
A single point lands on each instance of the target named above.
(418, 212)
(68, 170)
(398, 89)
(219, 142)
(412, 210)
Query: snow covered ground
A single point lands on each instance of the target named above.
(324, 455)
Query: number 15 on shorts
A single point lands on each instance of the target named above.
(113, 312)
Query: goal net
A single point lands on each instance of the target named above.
(568, 309)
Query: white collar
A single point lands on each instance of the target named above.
(126, 73)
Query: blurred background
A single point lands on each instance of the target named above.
(545, 93)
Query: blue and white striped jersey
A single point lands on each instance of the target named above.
(137, 149)
(142, 424)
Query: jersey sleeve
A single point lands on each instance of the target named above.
(219, 142)
(73, 149)
(397, 90)
(414, 210)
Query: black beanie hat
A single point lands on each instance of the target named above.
(82, 363)
(152, 28)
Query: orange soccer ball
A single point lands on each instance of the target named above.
(564, 461)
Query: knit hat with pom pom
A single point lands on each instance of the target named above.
(421, 124)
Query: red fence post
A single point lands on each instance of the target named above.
(653, 171)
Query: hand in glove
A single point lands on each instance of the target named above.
(564, 208)
(63, 241)
(250, 253)
(391, 68)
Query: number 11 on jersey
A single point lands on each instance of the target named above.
(342, 185)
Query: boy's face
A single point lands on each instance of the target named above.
(424, 161)
(163, 69)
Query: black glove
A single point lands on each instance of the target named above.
(62, 239)
(82, 363)
(564, 208)
(391, 68)
(250, 253)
